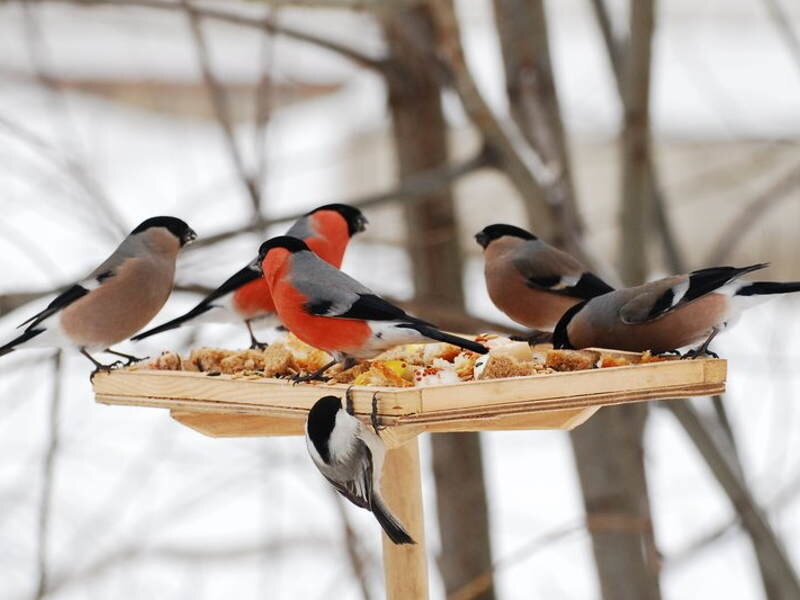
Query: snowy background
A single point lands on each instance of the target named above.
(144, 508)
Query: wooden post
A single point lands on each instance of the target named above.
(405, 566)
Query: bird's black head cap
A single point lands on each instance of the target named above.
(560, 336)
(292, 244)
(175, 226)
(356, 221)
(488, 234)
(321, 420)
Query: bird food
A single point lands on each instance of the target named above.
(413, 365)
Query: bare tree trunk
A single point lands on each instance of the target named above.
(522, 28)
(421, 143)
(614, 483)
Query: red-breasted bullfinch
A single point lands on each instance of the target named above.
(117, 299)
(350, 456)
(667, 314)
(531, 281)
(244, 297)
(333, 312)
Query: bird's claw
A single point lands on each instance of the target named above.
(373, 416)
(105, 369)
(702, 353)
(348, 400)
(132, 360)
(310, 377)
(256, 345)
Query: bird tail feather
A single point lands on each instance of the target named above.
(394, 529)
(21, 339)
(175, 323)
(440, 336)
(762, 288)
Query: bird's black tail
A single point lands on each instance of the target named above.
(394, 529)
(175, 323)
(762, 288)
(440, 336)
(12, 345)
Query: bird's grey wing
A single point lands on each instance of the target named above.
(107, 269)
(653, 300)
(331, 293)
(548, 268)
(358, 487)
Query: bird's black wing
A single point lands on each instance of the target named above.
(368, 307)
(239, 279)
(587, 287)
(60, 302)
(705, 281)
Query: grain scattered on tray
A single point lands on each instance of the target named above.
(571, 360)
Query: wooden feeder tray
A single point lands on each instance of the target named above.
(231, 406)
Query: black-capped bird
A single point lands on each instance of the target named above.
(350, 456)
(244, 297)
(117, 299)
(667, 314)
(333, 312)
(531, 281)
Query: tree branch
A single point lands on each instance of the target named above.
(780, 579)
(219, 103)
(751, 213)
(264, 24)
(523, 165)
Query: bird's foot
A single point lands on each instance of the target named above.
(373, 416)
(699, 353)
(534, 337)
(101, 368)
(130, 358)
(348, 401)
(315, 376)
(256, 345)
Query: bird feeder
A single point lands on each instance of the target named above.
(231, 406)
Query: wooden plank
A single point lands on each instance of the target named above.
(405, 566)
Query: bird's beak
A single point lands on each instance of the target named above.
(189, 237)
(361, 224)
(256, 265)
(482, 239)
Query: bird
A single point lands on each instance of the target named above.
(529, 280)
(116, 299)
(244, 296)
(666, 314)
(350, 456)
(331, 311)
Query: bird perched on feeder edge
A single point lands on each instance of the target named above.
(244, 297)
(117, 299)
(667, 314)
(350, 456)
(531, 281)
(331, 311)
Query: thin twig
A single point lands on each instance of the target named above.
(352, 546)
(219, 103)
(232, 18)
(48, 474)
(751, 213)
(523, 165)
(782, 23)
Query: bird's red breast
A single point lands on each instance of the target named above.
(332, 236)
(253, 299)
(330, 242)
(326, 333)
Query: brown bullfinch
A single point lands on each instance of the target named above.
(245, 295)
(531, 281)
(350, 456)
(667, 314)
(117, 299)
(333, 312)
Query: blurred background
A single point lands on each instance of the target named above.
(646, 137)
